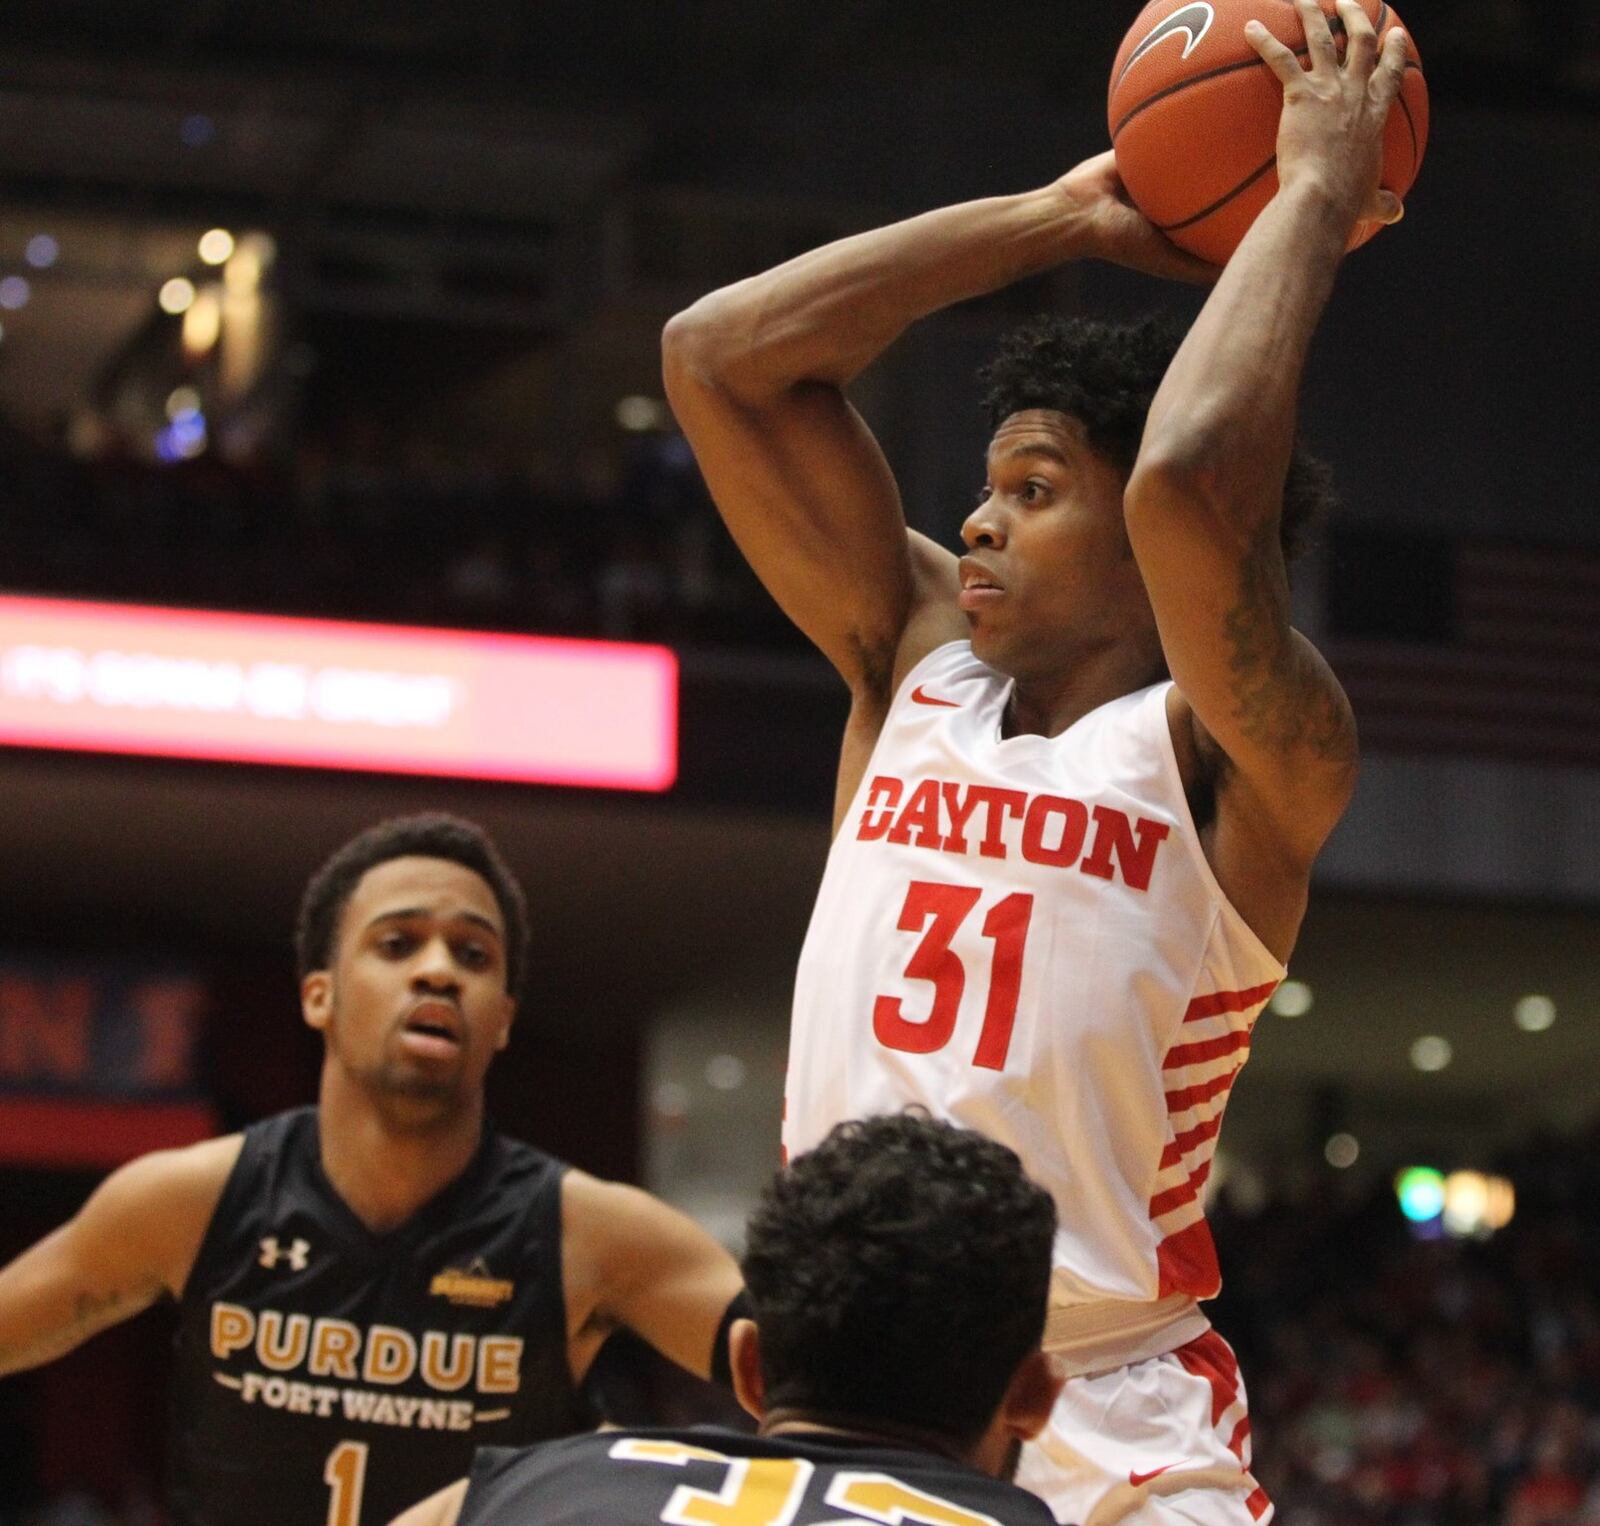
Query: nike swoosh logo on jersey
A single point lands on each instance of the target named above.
(1138, 1480)
(920, 696)
(1194, 21)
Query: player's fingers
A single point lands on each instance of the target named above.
(1362, 39)
(1146, 248)
(1274, 55)
(1320, 45)
(1391, 71)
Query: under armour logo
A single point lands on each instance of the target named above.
(296, 1255)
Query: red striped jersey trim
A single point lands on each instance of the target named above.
(1206, 1049)
(1184, 1192)
(1187, 1140)
(1215, 1003)
(1186, 1262)
(1193, 1096)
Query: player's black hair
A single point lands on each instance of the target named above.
(1105, 375)
(431, 835)
(899, 1272)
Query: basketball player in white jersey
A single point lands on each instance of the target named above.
(1088, 765)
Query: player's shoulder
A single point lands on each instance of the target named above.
(156, 1209)
(190, 1175)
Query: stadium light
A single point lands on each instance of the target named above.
(1420, 1190)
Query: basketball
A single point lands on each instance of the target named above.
(1194, 112)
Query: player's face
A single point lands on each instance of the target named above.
(1049, 573)
(416, 1004)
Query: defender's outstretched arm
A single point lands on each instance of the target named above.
(135, 1239)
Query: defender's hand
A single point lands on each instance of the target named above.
(1331, 130)
(1111, 228)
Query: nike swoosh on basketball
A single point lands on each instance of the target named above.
(922, 697)
(1139, 1479)
(1194, 21)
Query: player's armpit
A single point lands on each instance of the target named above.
(1261, 691)
(441, 1509)
(135, 1239)
(629, 1260)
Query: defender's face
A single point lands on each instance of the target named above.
(415, 1003)
(1050, 573)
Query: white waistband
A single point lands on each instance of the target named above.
(1096, 1337)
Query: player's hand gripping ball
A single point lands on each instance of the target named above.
(1194, 116)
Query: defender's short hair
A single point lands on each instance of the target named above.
(899, 1272)
(1105, 375)
(430, 835)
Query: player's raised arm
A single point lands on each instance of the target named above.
(135, 1239)
(756, 375)
(631, 1262)
(1204, 502)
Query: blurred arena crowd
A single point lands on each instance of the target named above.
(374, 526)
(1405, 1381)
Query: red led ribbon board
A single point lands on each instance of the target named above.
(332, 694)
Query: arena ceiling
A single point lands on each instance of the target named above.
(418, 159)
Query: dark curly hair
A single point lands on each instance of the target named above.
(431, 835)
(1105, 375)
(899, 1272)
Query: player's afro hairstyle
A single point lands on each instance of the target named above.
(899, 1272)
(432, 835)
(1105, 375)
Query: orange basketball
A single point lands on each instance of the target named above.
(1194, 117)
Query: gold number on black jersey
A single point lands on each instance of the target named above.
(881, 1498)
(759, 1491)
(766, 1491)
(345, 1474)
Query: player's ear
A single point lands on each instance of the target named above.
(1032, 1394)
(744, 1361)
(508, 1015)
(316, 998)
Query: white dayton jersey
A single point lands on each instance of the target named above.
(1022, 935)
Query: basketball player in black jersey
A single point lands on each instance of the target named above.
(371, 1288)
(897, 1276)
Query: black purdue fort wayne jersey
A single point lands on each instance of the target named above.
(707, 1475)
(325, 1373)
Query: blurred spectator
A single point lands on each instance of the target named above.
(370, 526)
(1399, 1381)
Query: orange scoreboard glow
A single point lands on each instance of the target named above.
(331, 694)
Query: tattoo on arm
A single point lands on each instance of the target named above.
(1277, 704)
(87, 1308)
(91, 1313)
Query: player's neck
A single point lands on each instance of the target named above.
(873, 1432)
(1046, 702)
(383, 1168)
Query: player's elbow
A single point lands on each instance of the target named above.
(706, 347)
(1168, 486)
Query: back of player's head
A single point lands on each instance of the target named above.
(431, 835)
(899, 1272)
(1105, 375)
